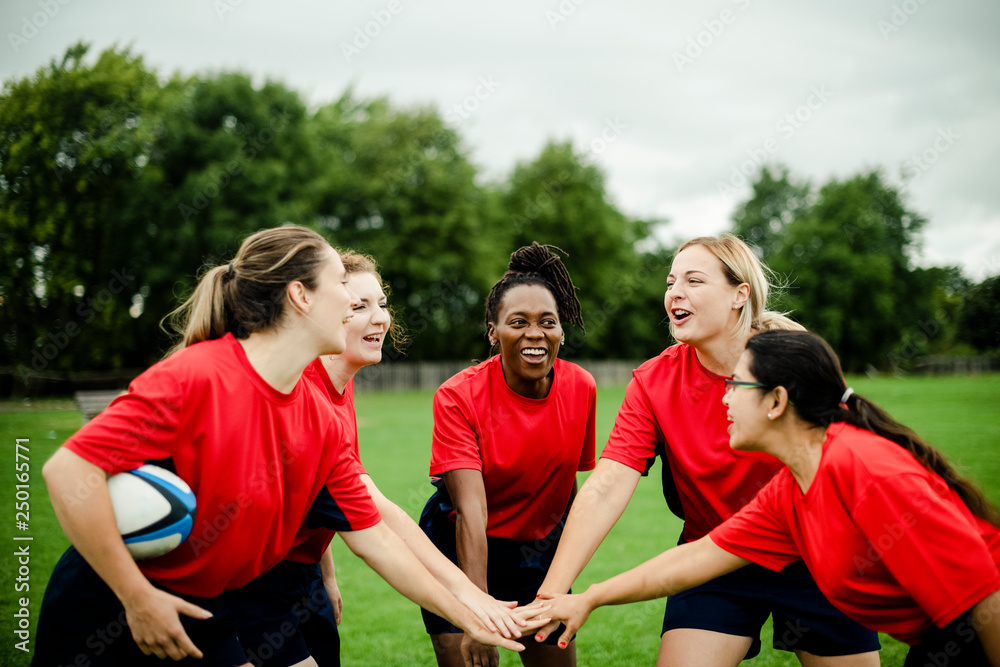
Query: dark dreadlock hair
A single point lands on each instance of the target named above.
(537, 265)
(807, 367)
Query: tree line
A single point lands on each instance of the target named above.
(117, 185)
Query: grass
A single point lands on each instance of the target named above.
(959, 415)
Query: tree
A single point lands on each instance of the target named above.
(979, 321)
(74, 148)
(776, 201)
(847, 255)
(395, 183)
(560, 200)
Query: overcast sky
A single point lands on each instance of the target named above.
(673, 100)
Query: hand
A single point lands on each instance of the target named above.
(572, 610)
(498, 616)
(154, 618)
(336, 600)
(476, 654)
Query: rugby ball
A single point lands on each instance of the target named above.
(154, 510)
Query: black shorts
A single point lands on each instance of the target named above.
(308, 615)
(955, 645)
(82, 622)
(515, 569)
(740, 602)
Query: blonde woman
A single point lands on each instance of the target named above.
(716, 299)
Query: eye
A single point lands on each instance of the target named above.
(549, 323)
(358, 309)
(694, 281)
(384, 306)
(669, 285)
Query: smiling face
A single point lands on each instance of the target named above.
(747, 409)
(529, 334)
(331, 305)
(368, 327)
(701, 302)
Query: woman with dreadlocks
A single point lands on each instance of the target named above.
(510, 435)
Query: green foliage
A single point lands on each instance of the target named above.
(846, 252)
(980, 315)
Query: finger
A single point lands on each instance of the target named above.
(566, 638)
(188, 646)
(510, 645)
(192, 610)
(544, 632)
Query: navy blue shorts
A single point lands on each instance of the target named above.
(298, 589)
(515, 569)
(740, 602)
(956, 645)
(82, 622)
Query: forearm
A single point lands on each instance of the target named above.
(986, 617)
(594, 512)
(326, 567)
(473, 552)
(673, 571)
(385, 553)
(88, 520)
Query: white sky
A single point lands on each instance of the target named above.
(827, 88)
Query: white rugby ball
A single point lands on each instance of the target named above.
(154, 510)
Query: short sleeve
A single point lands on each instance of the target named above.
(139, 426)
(930, 546)
(455, 444)
(635, 435)
(343, 503)
(759, 532)
(589, 453)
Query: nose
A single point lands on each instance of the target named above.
(725, 396)
(381, 316)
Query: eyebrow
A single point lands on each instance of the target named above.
(688, 273)
(521, 313)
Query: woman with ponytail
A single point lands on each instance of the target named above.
(895, 538)
(716, 300)
(228, 413)
(510, 435)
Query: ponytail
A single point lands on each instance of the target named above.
(248, 294)
(808, 369)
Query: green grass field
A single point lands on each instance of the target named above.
(959, 415)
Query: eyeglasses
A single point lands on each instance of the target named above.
(730, 384)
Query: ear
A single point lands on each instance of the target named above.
(742, 295)
(299, 296)
(777, 402)
(491, 334)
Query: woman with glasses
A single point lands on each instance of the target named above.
(716, 300)
(894, 537)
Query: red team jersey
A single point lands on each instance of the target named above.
(674, 404)
(529, 450)
(256, 459)
(887, 541)
(311, 542)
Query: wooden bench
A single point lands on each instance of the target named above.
(93, 402)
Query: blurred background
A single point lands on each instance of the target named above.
(853, 145)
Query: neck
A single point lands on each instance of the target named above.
(340, 371)
(720, 355)
(279, 357)
(800, 447)
(528, 388)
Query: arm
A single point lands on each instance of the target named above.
(385, 553)
(493, 613)
(89, 522)
(986, 616)
(329, 574)
(594, 512)
(468, 493)
(671, 572)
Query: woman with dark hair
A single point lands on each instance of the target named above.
(510, 435)
(305, 584)
(716, 299)
(894, 537)
(228, 413)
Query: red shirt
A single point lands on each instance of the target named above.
(528, 449)
(676, 403)
(311, 542)
(887, 541)
(256, 459)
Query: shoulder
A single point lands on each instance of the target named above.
(465, 382)
(574, 374)
(866, 457)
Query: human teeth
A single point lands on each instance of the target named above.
(533, 350)
(681, 313)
